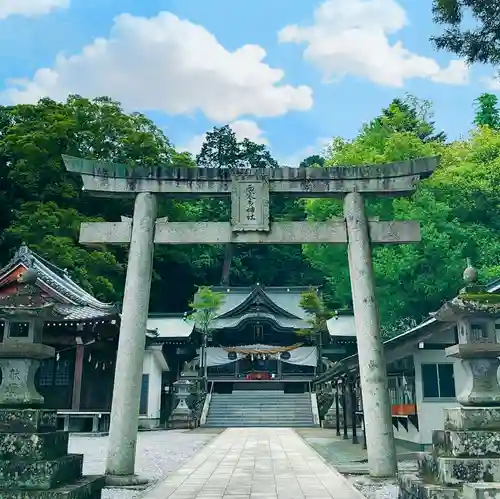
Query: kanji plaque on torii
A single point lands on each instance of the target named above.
(250, 190)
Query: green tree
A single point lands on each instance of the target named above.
(319, 314)
(247, 264)
(457, 208)
(409, 115)
(53, 232)
(43, 205)
(476, 41)
(314, 160)
(221, 149)
(487, 112)
(205, 307)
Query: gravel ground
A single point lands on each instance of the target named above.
(380, 489)
(158, 454)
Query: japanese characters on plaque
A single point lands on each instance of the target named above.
(250, 204)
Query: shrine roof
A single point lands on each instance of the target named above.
(281, 322)
(53, 285)
(168, 326)
(279, 304)
(286, 300)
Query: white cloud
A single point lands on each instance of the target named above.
(493, 83)
(457, 73)
(351, 37)
(172, 65)
(30, 8)
(243, 129)
(294, 159)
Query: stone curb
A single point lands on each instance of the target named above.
(349, 491)
(151, 492)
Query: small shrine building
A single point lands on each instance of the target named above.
(260, 335)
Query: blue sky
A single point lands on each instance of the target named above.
(291, 74)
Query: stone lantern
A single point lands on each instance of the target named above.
(477, 346)
(465, 461)
(20, 354)
(182, 415)
(34, 459)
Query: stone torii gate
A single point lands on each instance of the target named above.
(249, 190)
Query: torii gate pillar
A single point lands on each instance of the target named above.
(130, 356)
(250, 190)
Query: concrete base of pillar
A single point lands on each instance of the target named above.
(135, 482)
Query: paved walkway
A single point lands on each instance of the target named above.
(255, 463)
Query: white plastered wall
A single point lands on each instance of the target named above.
(430, 412)
(154, 365)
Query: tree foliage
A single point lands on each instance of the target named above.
(205, 307)
(457, 208)
(312, 161)
(409, 115)
(478, 41)
(487, 112)
(319, 314)
(221, 149)
(42, 205)
(248, 264)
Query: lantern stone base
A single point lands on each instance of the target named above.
(89, 487)
(34, 459)
(456, 470)
(414, 487)
(478, 443)
(472, 418)
(27, 420)
(181, 421)
(467, 451)
(330, 419)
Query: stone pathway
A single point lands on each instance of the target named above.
(255, 463)
(159, 453)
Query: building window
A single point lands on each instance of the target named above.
(62, 373)
(46, 373)
(143, 404)
(438, 381)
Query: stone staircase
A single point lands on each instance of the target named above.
(259, 408)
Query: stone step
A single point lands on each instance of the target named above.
(269, 414)
(259, 421)
(477, 443)
(273, 424)
(259, 403)
(259, 396)
(27, 420)
(413, 487)
(481, 490)
(262, 406)
(35, 475)
(251, 410)
(33, 446)
(88, 487)
(456, 470)
(260, 409)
